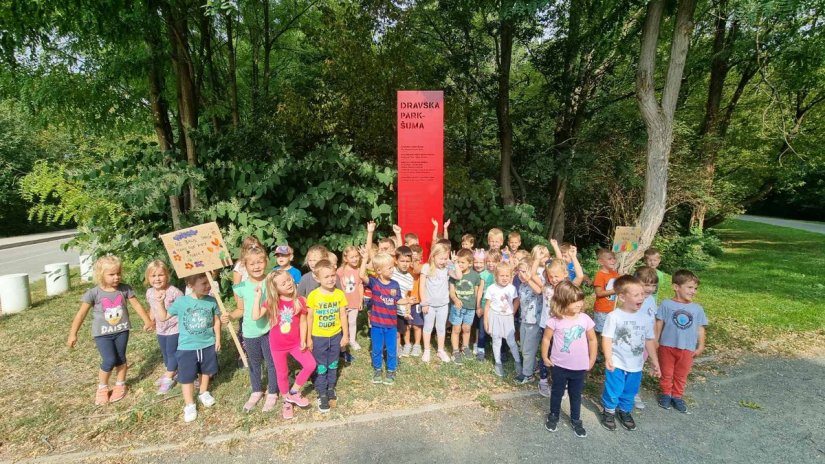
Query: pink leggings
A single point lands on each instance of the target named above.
(304, 358)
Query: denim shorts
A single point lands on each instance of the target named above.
(461, 316)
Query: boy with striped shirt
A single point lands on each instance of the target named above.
(386, 294)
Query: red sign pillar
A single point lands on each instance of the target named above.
(420, 127)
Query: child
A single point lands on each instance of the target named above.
(198, 342)
(652, 259)
(110, 325)
(625, 336)
(283, 257)
(531, 304)
(417, 321)
(464, 295)
(239, 273)
(680, 330)
(603, 286)
(386, 246)
(513, 244)
(406, 282)
(468, 242)
(502, 304)
(573, 354)
(327, 308)
(255, 331)
(288, 318)
(490, 261)
(650, 282)
(308, 281)
(158, 288)
(386, 294)
(353, 290)
(495, 239)
(435, 298)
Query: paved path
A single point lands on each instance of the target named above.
(818, 227)
(31, 259)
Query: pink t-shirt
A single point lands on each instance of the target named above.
(285, 333)
(570, 349)
(352, 286)
(169, 326)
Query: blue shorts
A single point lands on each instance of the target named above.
(417, 316)
(461, 316)
(194, 362)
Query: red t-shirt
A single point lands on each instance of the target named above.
(604, 280)
(285, 333)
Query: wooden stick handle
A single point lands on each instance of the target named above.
(217, 294)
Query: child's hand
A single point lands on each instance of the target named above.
(458, 304)
(608, 364)
(371, 226)
(657, 372)
(479, 313)
(217, 346)
(344, 342)
(573, 251)
(149, 325)
(396, 229)
(554, 243)
(425, 309)
(160, 295)
(258, 292)
(71, 341)
(362, 250)
(452, 256)
(447, 224)
(435, 223)
(224, 319)
(303, 345)
(309, 343)
(547, 362)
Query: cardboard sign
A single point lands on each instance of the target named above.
(197, 249)
(420, 162)
(626, 239)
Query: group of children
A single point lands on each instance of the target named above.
(501, 293)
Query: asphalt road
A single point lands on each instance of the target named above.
(31, 259)
(818, 227)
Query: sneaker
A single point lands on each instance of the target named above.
(518, 368)
(296, 399)
(523, 380)
(390, 378)
(207, 399)
(458, 357)
(468, 353)
(443, 356)
(348, 358)
(544, 388)
(499, 369)
(323, 404)
(102, 396)
(626, 420)
(426, 356)
(159, 381)
(118, 392)
(355, 346)
(480, 355)
(638, 403)
(377, 376)
(271, 401)
(578, 428)
(333, 399)
(287, 410)
(609, 421)
(416, 351)
(406, 350)
(552, 423)
(250, 404)
(165, 386)
(190, 412)
(678, 403)
(664, 401)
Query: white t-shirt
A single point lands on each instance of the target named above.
(629, 331)
(501, 298)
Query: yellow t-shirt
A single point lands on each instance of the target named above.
(326, 311)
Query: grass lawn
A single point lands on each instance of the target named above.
(765, 293)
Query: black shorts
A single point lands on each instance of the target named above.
(402, 324)
(194, 362)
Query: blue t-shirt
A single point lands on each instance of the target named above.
(196, 319)
(681, 324)
(571, 271)
(293, 271)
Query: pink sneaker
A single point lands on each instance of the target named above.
(296, 399)
(165, 386)
(253, 400)
(271, 401)
(118, 392)
(287, 410)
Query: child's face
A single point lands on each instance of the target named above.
(404, 263)
(385, 247)
(200, 287)
(686, 291)
(653, 261)
(650, 289)
(504, 277)
(524, 272)
(555, 276)
(575, 308)
(608, 261)
(491, 264)
(632, 297)
(283, 260)
(326, 277)
(285, 284)
(158, 279)
(495, 242)
(333, 258)
(352, 258)
(478, 264)
(463, 264)
(441, 260)
(385, 272)
(312, 259)
(466, 244)
(111, 276)
(410, 241)
(514, 244)
(416, 257)
(255, 266)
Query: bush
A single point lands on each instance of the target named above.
(695, 251)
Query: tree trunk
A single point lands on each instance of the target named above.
(233, 79)
(659, 118)
(215, 87)
(557, 207)
(267, 49)
(505, 125)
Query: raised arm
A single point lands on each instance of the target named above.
(577, 267)
(362, 271)
(370, 232)
(446, 233)
(556, 250)
(257, 309)
(399, 239)
(435, 231)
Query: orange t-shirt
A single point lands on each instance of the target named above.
(605, 280)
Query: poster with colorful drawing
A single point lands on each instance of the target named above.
(196, 249)
(626, 239)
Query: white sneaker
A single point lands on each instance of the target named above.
(406, 351)
(443, 356)
(426, 356)
(190, 412)
(206, 399)
(355, 346)
(544, 388)
(638, 403)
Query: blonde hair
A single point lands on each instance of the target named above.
(382, 260)
(350, 249)
(248, 244)
(103, 263)
(647, 275)
(272, 295)
(320, 249)
(495, 232)
(323, 264)
(255, 252)
(514, 234)
(538, 252)
(469, 239)
(437, 249)
(493, 255)
(564, 295)
(156, 264)
(503, 267)
(556, 263)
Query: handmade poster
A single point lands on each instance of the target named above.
(626, 239)
(420, 162)
(196, 249)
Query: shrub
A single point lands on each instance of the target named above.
(695, 251)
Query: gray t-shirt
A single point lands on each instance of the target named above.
(681, 324)
(308, 284)
(629, 331)
(109, 314)
(436, 286)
